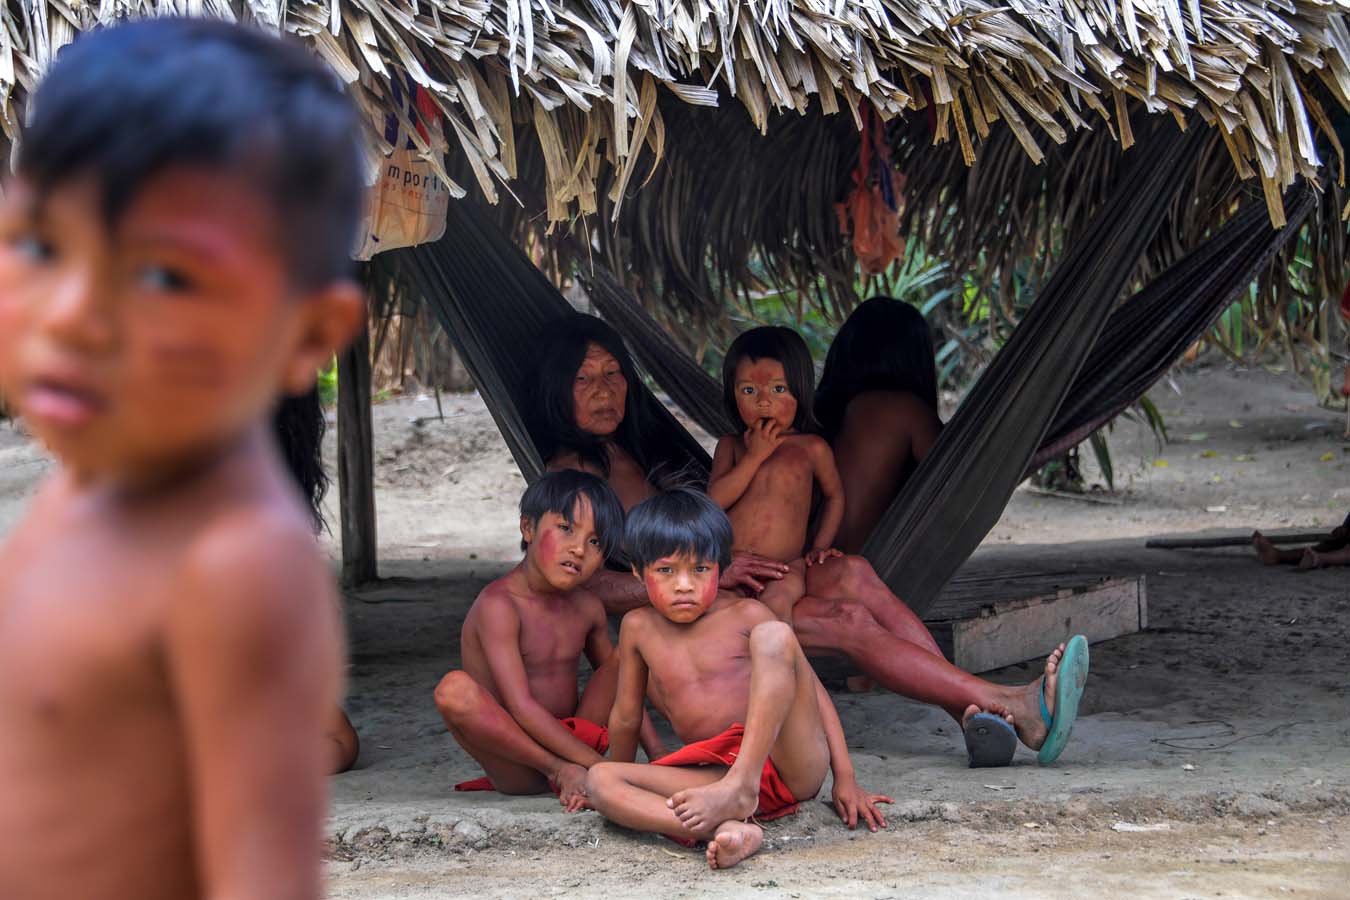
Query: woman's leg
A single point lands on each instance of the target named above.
(852, 578)
(917, 670)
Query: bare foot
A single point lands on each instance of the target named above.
(1310, 560)
(997, 709)
(734, 842)
(1265, 550)
(702, 808)
(1031, 728)
(571, 781)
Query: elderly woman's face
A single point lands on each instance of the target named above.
(599, 393)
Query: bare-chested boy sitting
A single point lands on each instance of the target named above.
(173, 256)
(514, 707)
(765, 478)
(710, 661)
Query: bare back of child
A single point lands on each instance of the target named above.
(514, 707)
(759, 730)
(766, 477)
(169, 639)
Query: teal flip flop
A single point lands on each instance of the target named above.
(1073, 673)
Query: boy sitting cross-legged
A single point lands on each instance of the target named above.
(710, 661)
(514, 707)
(174, 256)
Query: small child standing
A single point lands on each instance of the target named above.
(174, 256)
(711, 660)
(765, 478)
(514, 707)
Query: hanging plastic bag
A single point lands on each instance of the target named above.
(407, 205)
(872, 206)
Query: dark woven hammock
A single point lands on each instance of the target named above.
(958, 492)
(494, 304)
(1151, 331)
(1139, 342)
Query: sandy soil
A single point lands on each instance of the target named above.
(1224, 727)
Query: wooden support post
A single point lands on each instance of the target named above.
(356, 468)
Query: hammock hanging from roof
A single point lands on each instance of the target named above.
(1151, 331)
(494, 303)
(1139, 342)
(959, 491)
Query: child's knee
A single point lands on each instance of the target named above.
(456, 695)
(601, 781)
(772, 638)
(346, 744)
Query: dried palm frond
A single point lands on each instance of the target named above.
(1043, 68)
(597, 113)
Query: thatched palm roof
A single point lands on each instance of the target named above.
(572, 103)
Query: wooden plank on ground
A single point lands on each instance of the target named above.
(990, 620)
(995, 631)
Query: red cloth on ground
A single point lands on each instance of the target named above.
(592, 735)
(775, 800)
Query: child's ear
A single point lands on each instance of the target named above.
(637, 573)
(526, 529)
(332, 316)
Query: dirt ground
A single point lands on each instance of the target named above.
(1212, 756)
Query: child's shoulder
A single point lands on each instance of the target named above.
(267, 533)
(742, 609)
(250, 567)
(500, 592)
(812, 443)
(639, 621)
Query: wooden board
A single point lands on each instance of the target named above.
(993, 621)
(984, 622)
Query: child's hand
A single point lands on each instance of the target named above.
(749, 572)
(572, 788)
(762, 438)
(820, 554)
(851, 802)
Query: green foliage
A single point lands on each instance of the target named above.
(328, 384)
(1298, 326)
(1103, 455)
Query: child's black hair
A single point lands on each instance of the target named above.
(561, 347)
(299, 426)
(678, 522)
(124, 103)
(787, 347)
(885, 344)
(558, 493)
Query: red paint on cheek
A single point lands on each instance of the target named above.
(655, 591)
(547, 547)
(197, 365)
